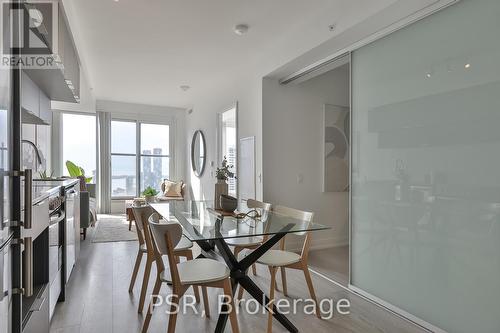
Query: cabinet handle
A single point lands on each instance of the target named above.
(28, 184)
(28, 267)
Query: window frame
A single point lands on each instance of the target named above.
(138, 154)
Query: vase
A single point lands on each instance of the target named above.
(220, 188)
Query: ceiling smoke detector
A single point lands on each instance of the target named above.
(185, 87)
(241, 29)
(332, 27)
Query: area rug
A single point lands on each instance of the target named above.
(113, 228)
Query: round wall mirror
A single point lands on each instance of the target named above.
(198, 153)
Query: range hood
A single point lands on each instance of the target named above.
(28, 117)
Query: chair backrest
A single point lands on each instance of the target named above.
(166, 236)
(141, 215)
(254, 204)
(305, 217)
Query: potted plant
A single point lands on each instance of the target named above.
(149, 194)
(75, 171)
(222, 174)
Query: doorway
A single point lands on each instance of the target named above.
(306, 146)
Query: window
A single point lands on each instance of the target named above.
(227, 144)
(79, 142)
(155, 158)
(133, 170)
(123, 159)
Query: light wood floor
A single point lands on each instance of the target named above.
(332, 262)
(98, 301)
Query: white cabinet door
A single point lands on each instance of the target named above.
(30, 99)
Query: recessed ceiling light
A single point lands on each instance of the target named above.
(116, 0)
(428, 75)
(467, 66)
(241, 29)
(185, 87)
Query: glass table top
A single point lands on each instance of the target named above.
(201, 222)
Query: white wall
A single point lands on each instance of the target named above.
(247, 93)
(293, 149)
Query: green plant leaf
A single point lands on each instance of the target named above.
(73, 170)
(149, 192)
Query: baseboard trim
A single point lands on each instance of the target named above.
(384, 305)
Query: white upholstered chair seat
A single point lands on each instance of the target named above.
(199, 271)
(279, 258)
(245, 241)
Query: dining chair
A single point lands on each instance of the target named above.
(183, 249)
(283, 259)
(197, 273)
(244, 243)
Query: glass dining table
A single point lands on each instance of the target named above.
(210, 229)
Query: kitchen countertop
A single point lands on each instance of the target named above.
(42, 189)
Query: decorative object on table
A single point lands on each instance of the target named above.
(149, 194)
(198, 153)
(75, 171)
(336, 148)
(228, 203)
(223, 174)
(138, 202)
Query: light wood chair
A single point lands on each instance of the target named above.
(198, 272)
(244, 243)
(282, 259)
(183, 249)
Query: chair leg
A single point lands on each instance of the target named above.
(84, 233)
(232, 314)
(135, 271)
(130, 225)
(240, 294)
(144, 288)
(271, 300)
(271, 273)
(307, 275)
(283, 280)
(172, 319)
(156, 291)
(189, 256)
(205, 301)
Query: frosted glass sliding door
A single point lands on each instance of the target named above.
(426, 168)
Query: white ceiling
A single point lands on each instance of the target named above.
(141, 51)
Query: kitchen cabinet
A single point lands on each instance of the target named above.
(34, 101)
(61, 83)
(39, 219)
(72, 234)
(30, 99)
(37, 320)
(5, 289)
(44, 108)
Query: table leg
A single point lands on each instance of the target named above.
(239, 276)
